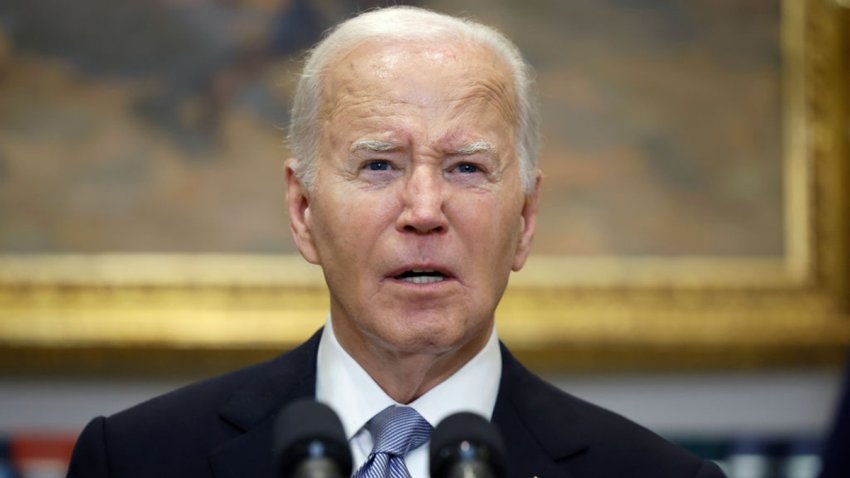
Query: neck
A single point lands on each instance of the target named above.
(407, 375)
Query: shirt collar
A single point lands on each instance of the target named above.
(342, 384)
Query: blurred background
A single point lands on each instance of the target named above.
(157, 127)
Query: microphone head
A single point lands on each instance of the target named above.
(305, 430)
(466, 438)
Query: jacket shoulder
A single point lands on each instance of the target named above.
(173, 434)
(250, 386)
(589, 440)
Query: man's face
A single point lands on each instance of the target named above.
(417, 214)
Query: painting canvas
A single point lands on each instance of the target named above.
(694, 209)
(159, 126)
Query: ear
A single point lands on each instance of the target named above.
(300, 223)
(528, 222)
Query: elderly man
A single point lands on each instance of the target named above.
(414, 187)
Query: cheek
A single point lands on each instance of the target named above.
(507, 232)
(493, 218)
(352, 219)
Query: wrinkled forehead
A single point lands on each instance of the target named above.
(377, 68)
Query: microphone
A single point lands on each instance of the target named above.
(309, 442)
(466, 445)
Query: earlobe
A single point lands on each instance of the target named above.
(300, 221)
(527, 225)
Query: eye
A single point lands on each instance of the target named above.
(377, 165)
(467, 168)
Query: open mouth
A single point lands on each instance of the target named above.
(421, 276)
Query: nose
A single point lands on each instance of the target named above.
(423, 200)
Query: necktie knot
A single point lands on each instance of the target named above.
(397, 430)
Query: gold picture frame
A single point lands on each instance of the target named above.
(147, 313)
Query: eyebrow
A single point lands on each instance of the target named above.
(377, 146)
(372, 145)
(479, 146)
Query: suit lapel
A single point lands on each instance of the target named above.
(535, 442)
(526, 414)
(251, 411)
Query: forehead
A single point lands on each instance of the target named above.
(460, 79)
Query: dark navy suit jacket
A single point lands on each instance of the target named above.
(222, 428)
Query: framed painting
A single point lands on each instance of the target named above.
(696, 195)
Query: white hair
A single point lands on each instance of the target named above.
(405, 23)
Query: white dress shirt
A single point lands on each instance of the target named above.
(342, 384)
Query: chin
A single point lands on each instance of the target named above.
(431, 334)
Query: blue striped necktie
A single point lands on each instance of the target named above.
(395, 431)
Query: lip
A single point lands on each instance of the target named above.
(447, 273)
